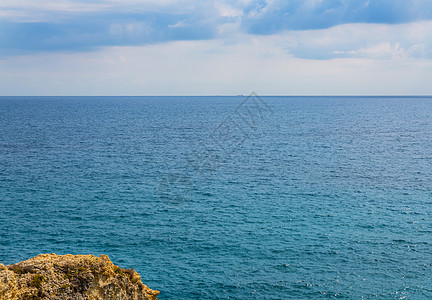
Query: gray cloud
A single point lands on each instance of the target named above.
(77, 26)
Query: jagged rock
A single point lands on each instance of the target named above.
(77, 277)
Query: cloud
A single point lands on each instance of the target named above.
(375, 41)
(75, 25)
(184, 47)
(383, 51)
(272, 16)
(206, 68)
(95, 30)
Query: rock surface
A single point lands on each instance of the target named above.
(77, 277)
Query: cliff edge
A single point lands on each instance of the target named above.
(77, 277)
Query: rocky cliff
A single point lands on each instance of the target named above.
(78, 277)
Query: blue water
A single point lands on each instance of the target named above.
(318, 197)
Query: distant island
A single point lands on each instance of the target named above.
(86, 277)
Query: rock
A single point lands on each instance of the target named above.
(77, 277)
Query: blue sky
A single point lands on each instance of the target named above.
(168, 47)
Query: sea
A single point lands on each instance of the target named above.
(218, 197)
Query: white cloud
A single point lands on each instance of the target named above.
(417, 50)
(179, 24)
(47, 10)
(226, 10)
(130, 29)
(345, 59)
(382, 50)
(222, 66)
(259, 11)
(379, 41)
(46, 5)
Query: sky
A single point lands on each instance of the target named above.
(206, 47)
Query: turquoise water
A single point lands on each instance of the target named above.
(311, 197)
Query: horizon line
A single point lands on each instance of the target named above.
(238, 95)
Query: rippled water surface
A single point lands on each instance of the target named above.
(312, 197)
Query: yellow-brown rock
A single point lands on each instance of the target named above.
(77, 277)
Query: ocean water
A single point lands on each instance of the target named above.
(226, 197)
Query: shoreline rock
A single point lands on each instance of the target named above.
(77, 277)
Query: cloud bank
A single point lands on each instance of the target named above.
(186, 47)
(268, 17)
(28, 27)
